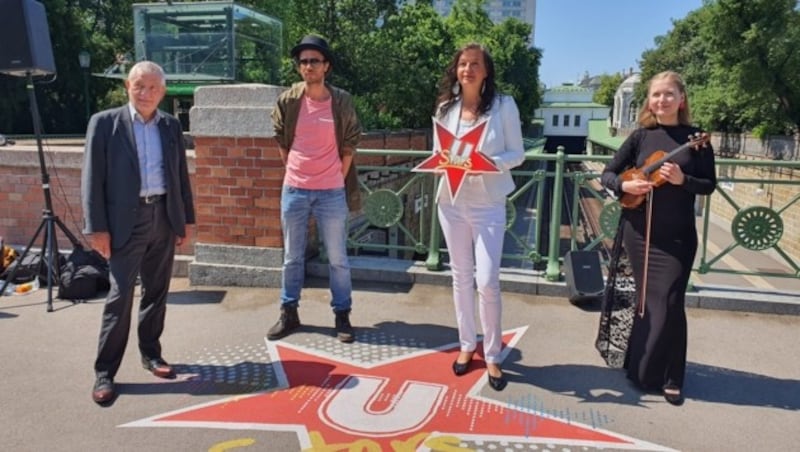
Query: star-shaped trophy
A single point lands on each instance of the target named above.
(458, 156)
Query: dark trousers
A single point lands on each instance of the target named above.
(149, 253)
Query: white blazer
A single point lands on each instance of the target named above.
(502, 143)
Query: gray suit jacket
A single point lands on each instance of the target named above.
(110, 181)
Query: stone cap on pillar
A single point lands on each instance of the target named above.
(234, 110)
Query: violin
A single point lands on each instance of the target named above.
(649, 171)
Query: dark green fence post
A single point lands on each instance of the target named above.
(553, 272)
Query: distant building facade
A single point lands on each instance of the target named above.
(499, 10)
(591, 82)
(565, 114)
(625, 108)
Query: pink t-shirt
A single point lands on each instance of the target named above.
(314, 162)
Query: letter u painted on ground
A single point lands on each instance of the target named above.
(349, 408)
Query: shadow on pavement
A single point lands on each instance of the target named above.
(595, 384)
(721, 385)
(208, 379)
(188, 297)
(599, 384)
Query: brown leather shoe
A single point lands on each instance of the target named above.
(103, 391)
(158, 367)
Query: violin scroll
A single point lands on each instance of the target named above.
(698, 140)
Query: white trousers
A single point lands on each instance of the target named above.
(474, 236)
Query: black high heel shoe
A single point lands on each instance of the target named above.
(673, 395)
(497, 383)
(461, 368)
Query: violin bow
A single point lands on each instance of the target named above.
(648, 222)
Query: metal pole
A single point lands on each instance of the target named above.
(553, 272)
(86, 93)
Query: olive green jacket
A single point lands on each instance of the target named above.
(345, 122)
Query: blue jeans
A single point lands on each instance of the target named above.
(329, 208)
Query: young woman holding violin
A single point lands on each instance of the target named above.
(656, 174)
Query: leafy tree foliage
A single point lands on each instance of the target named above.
(407, 59)
(103, 28)
(607, 89)
(390, 55)
(758, 41)
(740, 63)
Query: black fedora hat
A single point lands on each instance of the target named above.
(312, 42)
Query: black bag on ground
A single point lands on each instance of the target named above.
(83, 276)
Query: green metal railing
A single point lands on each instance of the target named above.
(756, 228)
(403, 204)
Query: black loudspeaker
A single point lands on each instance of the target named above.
(584, 276)
(25, 38)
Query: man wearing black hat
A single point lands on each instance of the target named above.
(317, 131)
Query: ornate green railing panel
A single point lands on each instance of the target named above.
(755, 228)
(397, 201)
(405, 207)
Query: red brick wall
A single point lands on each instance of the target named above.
(238, 187)
(22, 196)
(22, 202)
(236, 184)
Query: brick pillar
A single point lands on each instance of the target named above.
(238, 177)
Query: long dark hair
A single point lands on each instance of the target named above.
(447, 98)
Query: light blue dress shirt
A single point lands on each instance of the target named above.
(151, 157)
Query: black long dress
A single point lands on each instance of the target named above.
(656, 352)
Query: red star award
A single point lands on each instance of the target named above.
(458, 156)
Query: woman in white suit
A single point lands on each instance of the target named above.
(474, 222)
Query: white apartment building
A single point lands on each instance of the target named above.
(565, 114)
(500, 10)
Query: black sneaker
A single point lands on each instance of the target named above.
(344, 330)
(288, 322)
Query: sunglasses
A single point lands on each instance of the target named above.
(313, 62)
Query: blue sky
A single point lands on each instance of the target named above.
(600, 36)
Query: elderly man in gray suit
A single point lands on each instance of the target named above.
(136, 201)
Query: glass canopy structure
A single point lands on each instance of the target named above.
(200, 43)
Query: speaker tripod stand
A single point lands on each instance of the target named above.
(50, 223)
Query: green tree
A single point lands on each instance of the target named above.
(390, 55)
(757, 42)
(607, 89)
(739, 62)
(407, 56)
(103, 28)
(517, 65)
(468, 21)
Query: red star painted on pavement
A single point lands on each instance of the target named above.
(458, 156)
(411, 402)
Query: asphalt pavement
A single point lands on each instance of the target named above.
(393, 388)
